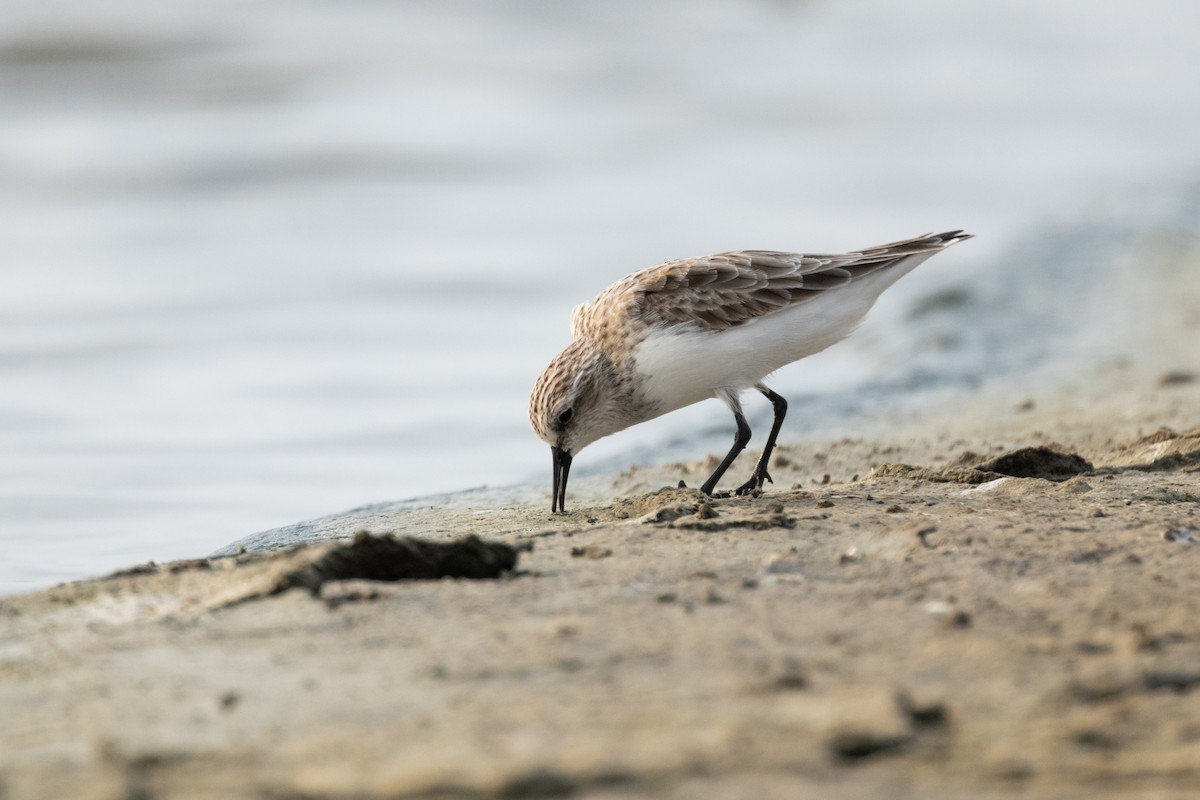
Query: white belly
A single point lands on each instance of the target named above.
(682, 365)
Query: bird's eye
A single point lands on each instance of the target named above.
(565, 415)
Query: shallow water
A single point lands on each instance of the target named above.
(263, 261)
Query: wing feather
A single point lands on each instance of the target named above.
(729, 289)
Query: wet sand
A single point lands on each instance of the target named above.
(896, 617)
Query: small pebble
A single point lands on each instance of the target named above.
(1181, 535)
(591, 551)
(1177, 378)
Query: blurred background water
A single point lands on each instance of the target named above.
(262, 260)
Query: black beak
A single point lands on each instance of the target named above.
(562, 466)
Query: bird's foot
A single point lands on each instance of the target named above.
(754, 484)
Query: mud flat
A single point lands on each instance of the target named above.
(1000, 597)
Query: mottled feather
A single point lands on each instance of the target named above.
(729, 289)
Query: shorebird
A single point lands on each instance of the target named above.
(684, 331)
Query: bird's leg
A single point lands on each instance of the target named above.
(760, 473)
(739, 443)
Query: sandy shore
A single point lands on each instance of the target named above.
(899, 616)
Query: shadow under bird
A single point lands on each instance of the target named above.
(684, 331)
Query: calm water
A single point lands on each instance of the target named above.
(263, 261)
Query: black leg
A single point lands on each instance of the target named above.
(760, 473)
(739, 444)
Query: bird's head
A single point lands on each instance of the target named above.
(575, 401)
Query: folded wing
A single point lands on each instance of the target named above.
(729, 289)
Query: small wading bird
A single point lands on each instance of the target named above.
(678, 333)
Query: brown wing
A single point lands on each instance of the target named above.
(729, 289)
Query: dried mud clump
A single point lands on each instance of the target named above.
(1043, 463)
(1038, 462)
(392, 558)
(1164, 449)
